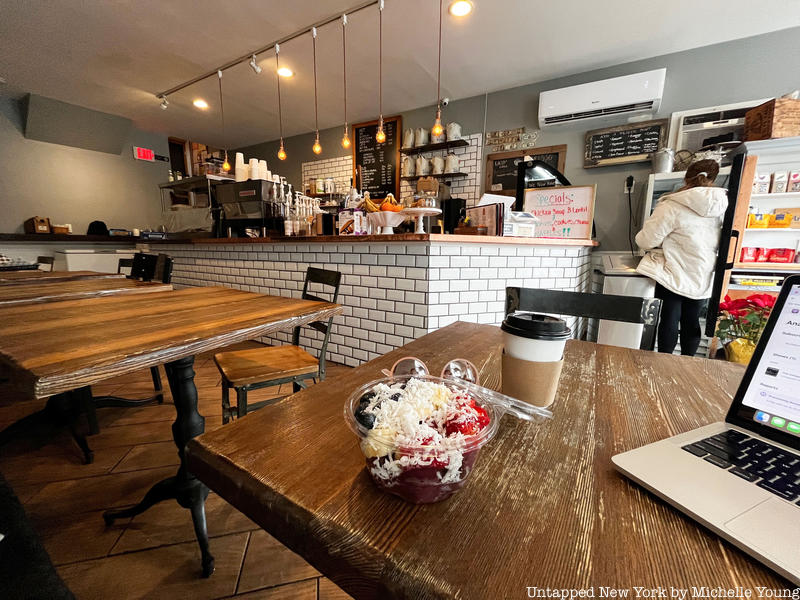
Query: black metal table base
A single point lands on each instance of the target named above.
(184, 487)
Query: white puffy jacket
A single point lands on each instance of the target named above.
(682, 237)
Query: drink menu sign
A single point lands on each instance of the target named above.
(376, 167)
(624, 143)
(563, 212)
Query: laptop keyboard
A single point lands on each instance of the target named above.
(754, 460)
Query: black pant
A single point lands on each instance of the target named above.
(678, 309)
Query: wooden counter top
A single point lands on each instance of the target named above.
(400, 237)
(68, 237)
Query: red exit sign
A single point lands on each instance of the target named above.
(144, 154)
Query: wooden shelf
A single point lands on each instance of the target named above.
(774, 267)
(781, 196)
(439, 176)
(433, 147)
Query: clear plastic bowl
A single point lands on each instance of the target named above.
(435, 481)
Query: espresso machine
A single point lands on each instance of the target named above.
(451, 209)
(253, 208)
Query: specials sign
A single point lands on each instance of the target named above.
(563, 212)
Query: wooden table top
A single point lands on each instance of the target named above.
(543, 506)
(26, 277)
(58, 291)
(61, 346)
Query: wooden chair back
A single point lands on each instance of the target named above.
(625, 309)
(163, 270)
(143, 267)
(327, 279)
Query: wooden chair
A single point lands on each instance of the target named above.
(45, 261)
(626, 309)
(246, 370)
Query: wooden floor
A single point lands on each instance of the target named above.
(155, 554)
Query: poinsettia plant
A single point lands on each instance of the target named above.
(744, 317)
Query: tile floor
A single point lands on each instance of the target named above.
(153, 555)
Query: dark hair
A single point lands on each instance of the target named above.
(701, 173)
(97, 228)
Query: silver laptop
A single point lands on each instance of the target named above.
(741, 478)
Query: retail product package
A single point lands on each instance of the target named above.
(533, 382)
(778, 182)
(351, 222)
(793, 212)
(519, 224)
(793, 185)
(761, 183)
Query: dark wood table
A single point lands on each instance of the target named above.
(543, 506)
(26, 277)
(69, 345)
(58, 291)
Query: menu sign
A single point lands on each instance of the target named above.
(563, 212)
(501, 168)
(376, 167)
(624, 144)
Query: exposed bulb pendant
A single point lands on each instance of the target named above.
(437, 128)
(317, 147)
(380, 136)
(226, 166)
(281, 151)
(346, 136)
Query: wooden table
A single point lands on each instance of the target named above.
(58, 291)
(543, 506)
(99, 338)
(26, 277)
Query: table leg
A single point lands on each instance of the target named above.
(183, 487)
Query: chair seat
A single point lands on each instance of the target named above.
(242, 367)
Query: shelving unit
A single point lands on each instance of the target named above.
(770, 267)
(434, 147)
(439, 176)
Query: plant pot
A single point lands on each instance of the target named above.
(740, 350)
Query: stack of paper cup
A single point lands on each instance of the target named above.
(254, 168)
(533, 355)
(262, 169)
(240, 169)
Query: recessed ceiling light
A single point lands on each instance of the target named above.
(201, 104)
(460, 8)
(285, 72)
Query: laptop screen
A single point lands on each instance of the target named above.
(771, 399)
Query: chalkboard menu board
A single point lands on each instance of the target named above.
(378, 165)
(501, 168)
(624, 144)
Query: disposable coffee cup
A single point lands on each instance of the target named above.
(533, 356)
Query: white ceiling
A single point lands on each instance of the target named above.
(113, 55)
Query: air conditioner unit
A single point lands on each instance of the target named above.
(620, 95)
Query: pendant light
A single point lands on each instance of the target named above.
(281, 151)
(346, 136)
(317, 147)
(380, 137)
(226, 166)
(437, 128)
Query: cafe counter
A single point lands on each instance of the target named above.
(395, 288)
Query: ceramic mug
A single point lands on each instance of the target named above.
(453, 131)
(437, 165)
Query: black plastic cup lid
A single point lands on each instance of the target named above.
(536, 326)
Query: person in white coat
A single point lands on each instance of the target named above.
(682, 238)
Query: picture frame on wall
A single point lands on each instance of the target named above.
(501, 167)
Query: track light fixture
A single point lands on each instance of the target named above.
(164, 102)
(254, 65)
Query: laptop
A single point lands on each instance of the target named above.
(741, 477)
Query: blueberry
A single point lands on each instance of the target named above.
(365, 418)
(366, 397)
(395, 397)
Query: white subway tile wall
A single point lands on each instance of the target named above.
(469, 158)
(339, 168)
(392, 292)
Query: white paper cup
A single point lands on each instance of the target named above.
(534, 337)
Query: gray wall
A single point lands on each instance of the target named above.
(72, 185)
(757, 67)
